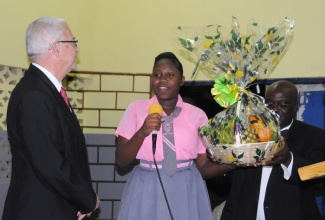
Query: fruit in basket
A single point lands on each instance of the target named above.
(248, 136)
(277, 146)
(242, 134)
(256, 121)
(263, 134)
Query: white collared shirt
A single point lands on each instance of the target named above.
(49, 75)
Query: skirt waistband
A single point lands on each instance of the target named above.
(151, 164)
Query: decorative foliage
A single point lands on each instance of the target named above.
(243, 55)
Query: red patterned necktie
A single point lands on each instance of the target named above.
(64, 96)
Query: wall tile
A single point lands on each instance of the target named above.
(90, 81)
(99, 130)
(75, 99)
(99, 100)
(92, 154)
(102, 172)
(3, 118)
(141, 83)
(90, 118)
(107, 155)
(110, 118)
(100, 139)
(117, 83)
(124, 99)
(78, 81)
(116, 205)
(112, 191)
(105, 211)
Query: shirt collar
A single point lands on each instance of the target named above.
(49, 75)
(288, 127)
(154, 99)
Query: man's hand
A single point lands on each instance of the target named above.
(81, 216)
(283, 156)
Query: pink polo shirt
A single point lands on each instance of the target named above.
(188, 142)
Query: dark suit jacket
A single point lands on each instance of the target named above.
(50, 173)
(287, 200)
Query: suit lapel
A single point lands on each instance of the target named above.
(277, 171)
(275, 175)
(52, 91)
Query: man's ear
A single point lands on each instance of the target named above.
(56, 50)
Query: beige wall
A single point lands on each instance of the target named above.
(125, 36)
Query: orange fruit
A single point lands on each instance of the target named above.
(263, 134)
(255, 121)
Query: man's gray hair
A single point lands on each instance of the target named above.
(41, 34)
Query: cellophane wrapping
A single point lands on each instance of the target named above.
(246, 131)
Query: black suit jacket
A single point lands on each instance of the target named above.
(284, 199)
(50, 173)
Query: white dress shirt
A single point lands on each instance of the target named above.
(266, 171)
(49, 75)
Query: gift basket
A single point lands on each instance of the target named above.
(246, 131)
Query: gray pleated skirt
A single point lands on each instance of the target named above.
(186, 193)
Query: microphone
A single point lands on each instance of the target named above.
(155, 108)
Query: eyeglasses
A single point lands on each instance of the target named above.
(72, 42)
(280, 105)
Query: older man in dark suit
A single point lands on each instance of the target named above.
(50, 173)
(275, 191)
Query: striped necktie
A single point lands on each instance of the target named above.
(169, 162)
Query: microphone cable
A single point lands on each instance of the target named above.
(154, 139)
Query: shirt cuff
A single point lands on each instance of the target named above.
(287, 170)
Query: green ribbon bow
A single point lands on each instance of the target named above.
(224, 92)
